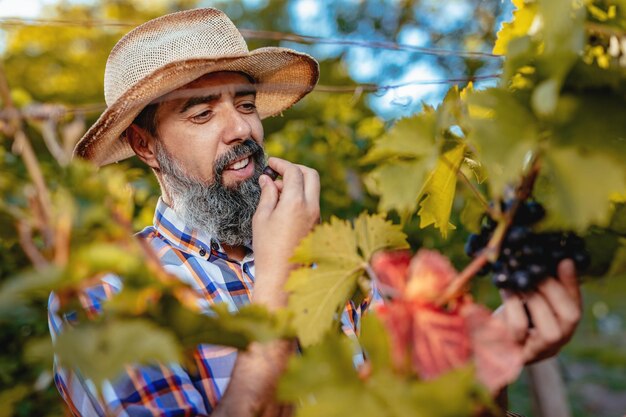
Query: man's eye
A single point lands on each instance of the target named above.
(201, 117)
(250, 107)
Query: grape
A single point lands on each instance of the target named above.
(526, 258)
(270, 172)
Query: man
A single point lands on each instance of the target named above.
(186, 96)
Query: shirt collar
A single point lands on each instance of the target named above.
(171, 226)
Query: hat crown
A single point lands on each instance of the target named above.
(202, 33)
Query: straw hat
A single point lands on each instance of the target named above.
(168, 52)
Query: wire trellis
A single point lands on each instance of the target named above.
(38, 112)
(260, 35)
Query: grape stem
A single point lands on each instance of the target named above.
(492, 250)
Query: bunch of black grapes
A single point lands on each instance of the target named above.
(527, 258)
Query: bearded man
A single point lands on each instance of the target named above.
(186, 96)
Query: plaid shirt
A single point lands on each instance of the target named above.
(159, 390)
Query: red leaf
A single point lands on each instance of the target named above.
(397, 318)
(430, 273)
(440, 341)
(391, 268)
(497, 356)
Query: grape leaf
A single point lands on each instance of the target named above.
(251, 323)
(504, 132)
(523, 18)
(575, 188)
(318, 293)
(472, 214)
(410, 137)
(374, 232)
(316, 296)
(100, 351)
(439, 190)
(323, 381)
(398, 185)
(375, 342)
(441, 342)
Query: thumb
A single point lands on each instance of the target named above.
(269, 196)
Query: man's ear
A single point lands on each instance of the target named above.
(143, 143)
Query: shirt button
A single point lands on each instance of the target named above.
(202, 252)
(215, 245)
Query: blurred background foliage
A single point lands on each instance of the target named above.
(62, 62)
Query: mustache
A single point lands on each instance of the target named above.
(247, 148)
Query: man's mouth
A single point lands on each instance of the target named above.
(239, 164)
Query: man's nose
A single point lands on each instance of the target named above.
(236, 127)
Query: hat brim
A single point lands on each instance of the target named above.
(283, 76)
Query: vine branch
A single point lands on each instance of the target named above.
(522, 192)
(23, 148)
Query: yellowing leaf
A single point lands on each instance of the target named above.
(575, 187)
(523, 19)
(331, 243)
(440, 190)
(320, 289)
(317, 294)
(373, 233)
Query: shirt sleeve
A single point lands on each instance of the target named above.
(140, 391)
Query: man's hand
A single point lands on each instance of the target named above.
(554, 309)
(287, 211)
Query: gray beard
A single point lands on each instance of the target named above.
(223, 212)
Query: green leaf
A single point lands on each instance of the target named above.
(252, 323)
(504, 132)
(100, 351)
(22, 288)
(374, 232)
(593, 122)
(324, 382)
(439, 190)
(472, 214)
(576, 188)
(410, 137)
(545, 97)
(375, 342)
(319, 293)
(399, 184)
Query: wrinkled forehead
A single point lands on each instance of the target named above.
(212, 84)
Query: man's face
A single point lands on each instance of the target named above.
(210, 155)
(206, 119)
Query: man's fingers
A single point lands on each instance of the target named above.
(515, 315)
(293, 178)
(566, 307)
(269, 196)
(311, 183)
(567, 276)
(544, 319)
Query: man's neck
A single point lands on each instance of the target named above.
(235, 252)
